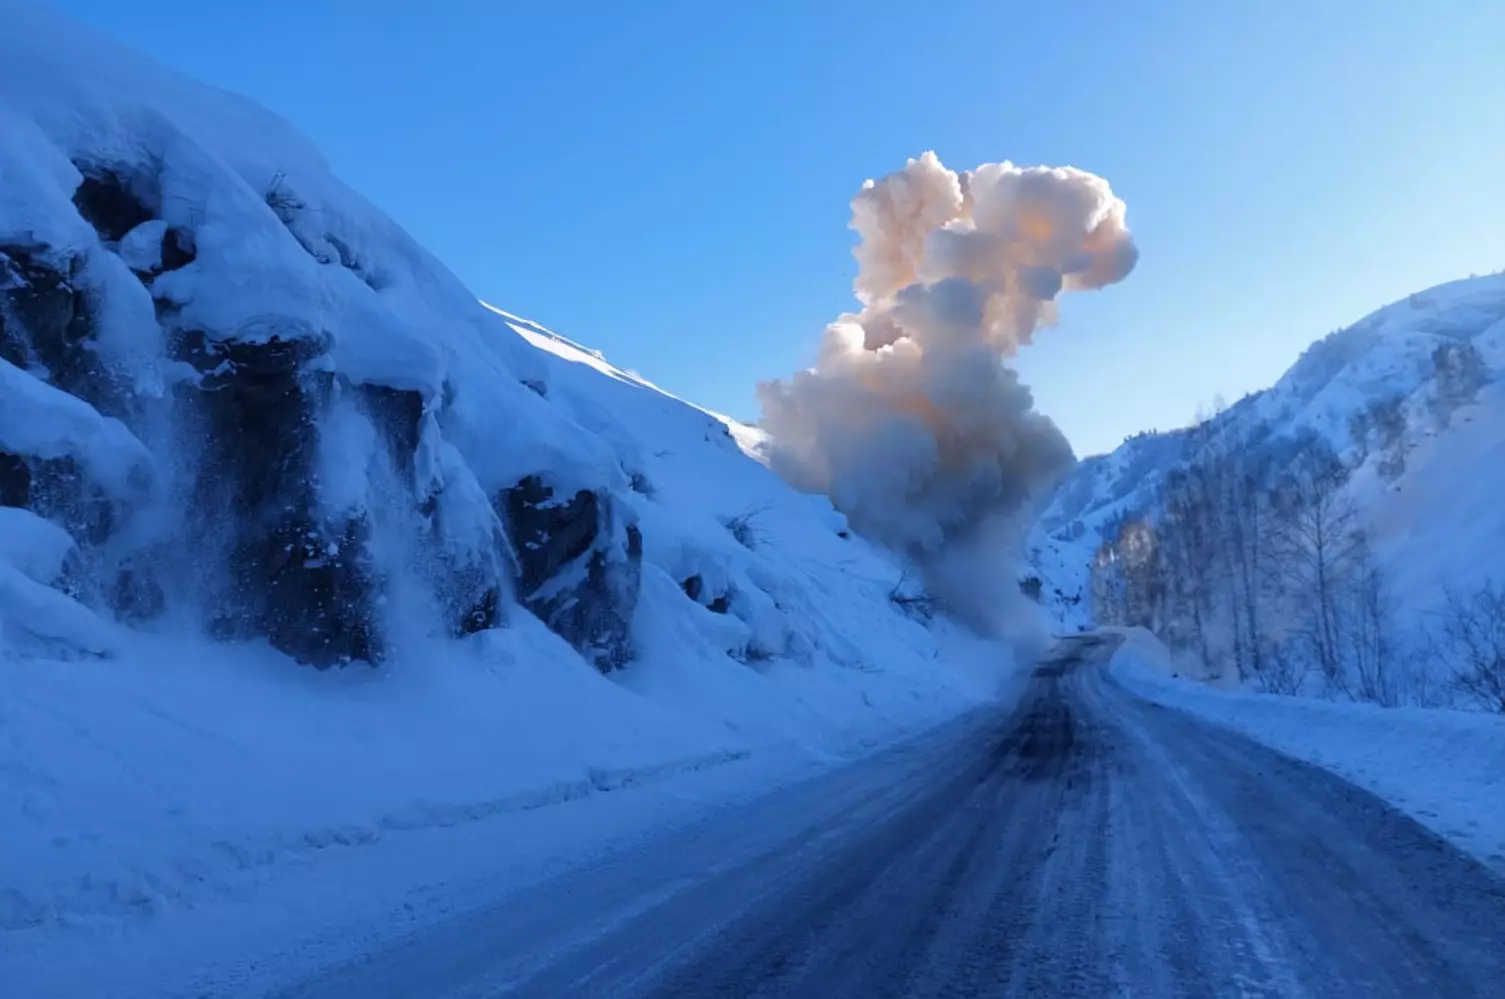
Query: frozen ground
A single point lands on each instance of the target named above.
(1446, 769)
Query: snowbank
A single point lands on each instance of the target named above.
(190, 813)
(182, 773)
(1446, 769)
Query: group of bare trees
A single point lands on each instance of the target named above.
(1257, 563)
(1200, 574)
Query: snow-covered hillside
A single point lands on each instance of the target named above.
(246, 422)
(1410, 400)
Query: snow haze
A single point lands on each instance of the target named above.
(910, 420)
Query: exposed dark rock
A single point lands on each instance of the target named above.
(398, 415)
(471, 593)
(260, 410)
(549, 534)
(577, 571)
(45, 327)
(58, 490)
(318, 588)
(695, 589)
(37, 296)
(14, 344)
(73, 577)
(178, 249)
(484, 615)
(12, 350)
(538, 386)
(305, 583)
(173, 250)
(15, 480)
(107, 202)
(137, 595)
(47, 323)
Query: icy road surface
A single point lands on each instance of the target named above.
(1089, 844)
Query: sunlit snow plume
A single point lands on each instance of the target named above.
(910, 420)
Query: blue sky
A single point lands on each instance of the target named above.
(668, 181)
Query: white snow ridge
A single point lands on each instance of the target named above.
(246, 422)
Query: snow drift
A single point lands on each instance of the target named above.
(910, 420)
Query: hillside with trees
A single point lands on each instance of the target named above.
(1339, 534)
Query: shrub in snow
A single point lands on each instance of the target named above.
(910, 597)
(747, 527)
(1468, 641)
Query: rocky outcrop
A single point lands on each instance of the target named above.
(259, 440)
(15, 480)
(398, 416)
(298, 576)
(580, 566)
(294, 573)
(47, 328)
(111, 201)
(47, 324)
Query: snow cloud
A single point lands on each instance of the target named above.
(910, 419)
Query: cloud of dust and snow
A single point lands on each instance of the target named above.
(910, 420)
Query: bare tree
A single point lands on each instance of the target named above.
(1188, 554)
(1108, 598)
(1214, 576)
(1281, 670)
(1237, 476)
(1316, 552)
(1371, 639)
(1138, 551)
(1470, 644)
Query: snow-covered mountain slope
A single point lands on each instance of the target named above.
(245, 421)
(1410, 399)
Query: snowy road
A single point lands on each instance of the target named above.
(1090, 844)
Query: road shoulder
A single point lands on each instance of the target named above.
(1446, 769)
